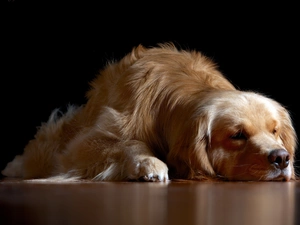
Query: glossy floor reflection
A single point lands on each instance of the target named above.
(133, 203)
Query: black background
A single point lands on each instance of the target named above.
(51, 51)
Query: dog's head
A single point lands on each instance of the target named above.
(236, 135)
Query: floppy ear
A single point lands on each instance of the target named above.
(202, 165)
(288, 134)
(189, 158)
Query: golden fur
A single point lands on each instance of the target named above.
(162, 113)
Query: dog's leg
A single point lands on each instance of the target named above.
(133, 161)
(99, 157)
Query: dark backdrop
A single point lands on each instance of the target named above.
(51, 52)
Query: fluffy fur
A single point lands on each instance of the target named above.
(163, 113)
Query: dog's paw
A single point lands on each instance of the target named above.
(148, 169)
(14, 168)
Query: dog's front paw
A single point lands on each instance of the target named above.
(148, 169)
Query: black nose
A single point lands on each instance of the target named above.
(280, 158)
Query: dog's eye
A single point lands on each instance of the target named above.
(275, 131)
(238, 136)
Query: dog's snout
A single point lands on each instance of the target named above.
(280, 158)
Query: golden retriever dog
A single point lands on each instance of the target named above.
(163, 113)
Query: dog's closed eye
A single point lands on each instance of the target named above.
(238, 136)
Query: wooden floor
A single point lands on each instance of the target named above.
(184, 203)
